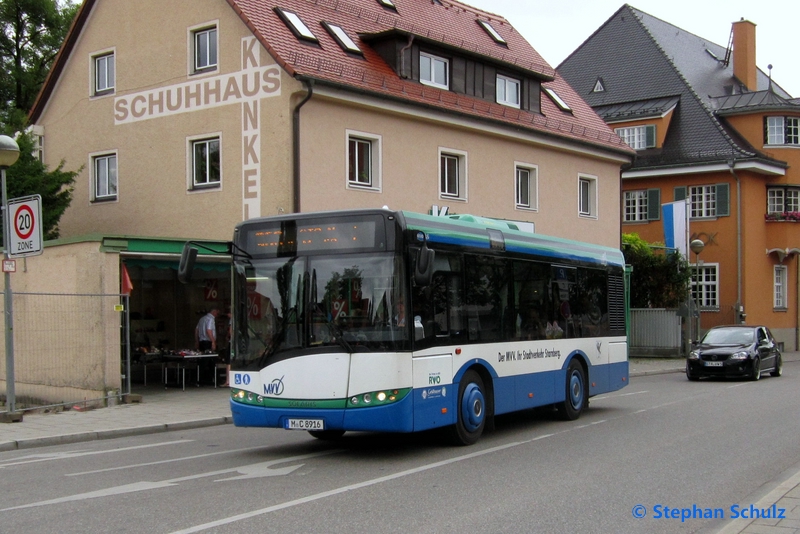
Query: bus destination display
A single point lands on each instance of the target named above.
(290, 238)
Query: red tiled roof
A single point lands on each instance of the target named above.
(451, 24)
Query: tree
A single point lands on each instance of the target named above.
(660, 279)
(29, 176)
(31, 34)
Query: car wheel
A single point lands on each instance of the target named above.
(778, 370)
(471, 410)
(690, 376)
(327, 435)
(756, 369)
(576, 400)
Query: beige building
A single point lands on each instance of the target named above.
(189, 119)
(210, 112)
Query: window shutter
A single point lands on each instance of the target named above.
(723, 200)
(653, 204)
(650, 135)
(680, 193)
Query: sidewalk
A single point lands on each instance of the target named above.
(172, 409)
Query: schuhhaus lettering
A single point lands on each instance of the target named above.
(235, 88)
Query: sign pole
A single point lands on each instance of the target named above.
(11, 401)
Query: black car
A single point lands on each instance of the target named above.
(735, 351)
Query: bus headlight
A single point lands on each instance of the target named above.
(377, 398)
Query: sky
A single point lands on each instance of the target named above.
(556, 29)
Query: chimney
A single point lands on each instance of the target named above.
(744, 54)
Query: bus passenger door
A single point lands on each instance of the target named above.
(434, 391)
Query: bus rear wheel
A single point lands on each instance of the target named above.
(576, 399)
(327, 435)
(471, 409)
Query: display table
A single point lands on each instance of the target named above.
(182, 360)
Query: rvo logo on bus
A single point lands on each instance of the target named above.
(240, 379)
(434, 378)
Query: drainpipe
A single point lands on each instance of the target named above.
(309, 84)
(403, 57)
(732, 165)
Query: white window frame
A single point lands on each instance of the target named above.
(703, 203)
(191, 184)
(533, 186)
(104, 157)
(774, 130)
(427, 78)
(99, 64)
(195, 33)
(488, 28)
(783, 131)
(635, 209)
(587, 196)
(461, 168)
(557, 100)
(296, 25)
(36, 132)
(340, 36)
(503, 83)
(375, 150)
(635, 136)
(775, 200)
(783, 199)
(709, 286)
(780, 293)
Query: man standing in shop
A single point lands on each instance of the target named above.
(205, 334)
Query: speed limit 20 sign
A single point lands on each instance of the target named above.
(25, 226)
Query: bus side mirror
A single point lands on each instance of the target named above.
(186, 266)
(423, 267)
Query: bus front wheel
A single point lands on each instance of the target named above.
(576, 399)
(471, 416)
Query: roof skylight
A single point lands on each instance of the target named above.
(342, 38)
(491, 31)
(557, 99)
(296, 24)
(387, 3)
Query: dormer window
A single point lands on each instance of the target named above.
(638, 137)
(508, 92)
(557, 100)
(492, 32)
(434, 70)
(388, 3)
(341, 37)
(296, 24)
(599, 86)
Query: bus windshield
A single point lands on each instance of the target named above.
(335, 303)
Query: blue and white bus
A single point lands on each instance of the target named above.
(391, 321)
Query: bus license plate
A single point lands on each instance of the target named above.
(304, 424)
(713, 364)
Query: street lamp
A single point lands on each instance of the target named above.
(9, 153)
(697, 247)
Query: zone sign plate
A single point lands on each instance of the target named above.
(25, 226)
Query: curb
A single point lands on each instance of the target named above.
(657, 372)
(79, 437)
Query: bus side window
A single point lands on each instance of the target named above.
(438, 308)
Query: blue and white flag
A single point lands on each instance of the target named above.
(676, 226)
